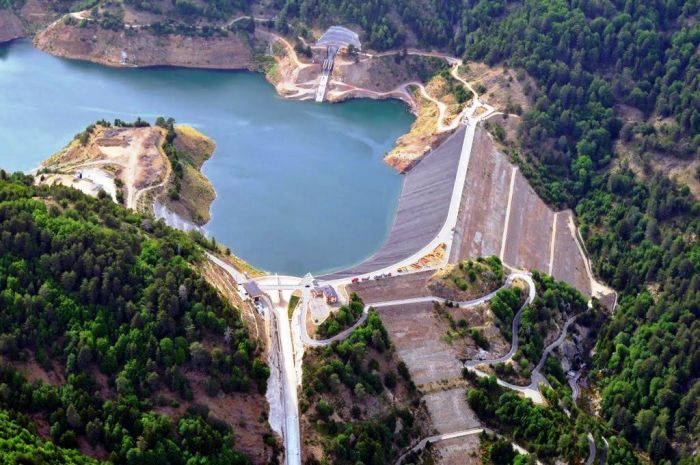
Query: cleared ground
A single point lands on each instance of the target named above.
(450, 411)
(417, 334)
(567, 266)
(484, 200)
(399, 287)
(459, 451)
(529, 229)
(530, 241)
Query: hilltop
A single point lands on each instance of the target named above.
(138, 165)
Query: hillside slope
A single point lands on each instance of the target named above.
(114, 343)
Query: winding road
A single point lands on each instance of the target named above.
(471, 115)
(440, 437)
(278, 316)
(536, 378)
(308, 341)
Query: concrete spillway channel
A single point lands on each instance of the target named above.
(326, 74)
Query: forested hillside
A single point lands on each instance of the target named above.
(105, 328)
(18, 445)
(589, 57)
(645, 240)
(594, 62)
(591, 60)
(586, 56)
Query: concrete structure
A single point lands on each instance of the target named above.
(422, 210)
(326, 292)
(334, 39)
(253, 291)
(339, 37)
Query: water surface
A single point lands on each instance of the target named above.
(301, 186)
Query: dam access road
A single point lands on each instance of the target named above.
(427, 223)
(434, 185)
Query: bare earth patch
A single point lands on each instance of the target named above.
(459, 451)
(399, 287)
(529, 242)
(450, 411)
(417, 334)
(117, 48)
(506, 89)
(10, 26)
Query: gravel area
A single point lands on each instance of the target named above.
(395, 288)
(417, 333)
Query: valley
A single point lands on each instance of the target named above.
(405, 234)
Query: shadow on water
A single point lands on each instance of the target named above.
(5, 50)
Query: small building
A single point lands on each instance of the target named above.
(325, 292)
(316, 292)
(253, 291)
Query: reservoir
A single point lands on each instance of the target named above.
(301, 187)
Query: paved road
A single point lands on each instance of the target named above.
(428, 207)
(531, 390)
(391, 303)
(573, 384)
(235, 274)
(515, 325)
(440, 437)
(425, 218)
(292, 435)
(591, 450)
(281, 339)
(604, 453)
(457, 434)
(290, 405)
(537, 372)
(422, 210)
(309, 341)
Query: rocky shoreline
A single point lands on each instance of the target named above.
(377, 77)
(10, 26)
(127, 48)
(381, 76)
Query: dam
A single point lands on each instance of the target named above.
(422, 210)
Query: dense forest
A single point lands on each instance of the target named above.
(110, 303)
(360, 398)
(588, 58)
(644, 238)
(19, 445)
(548, 432)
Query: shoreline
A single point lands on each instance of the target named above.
(266, 52)
(402, 95)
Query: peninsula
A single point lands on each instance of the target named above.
(143, 167)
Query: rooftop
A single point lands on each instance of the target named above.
(339, 36)
(252, 288)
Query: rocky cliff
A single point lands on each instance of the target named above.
(140, 47)
(10, 26)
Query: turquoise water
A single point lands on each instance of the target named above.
(301, 186)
